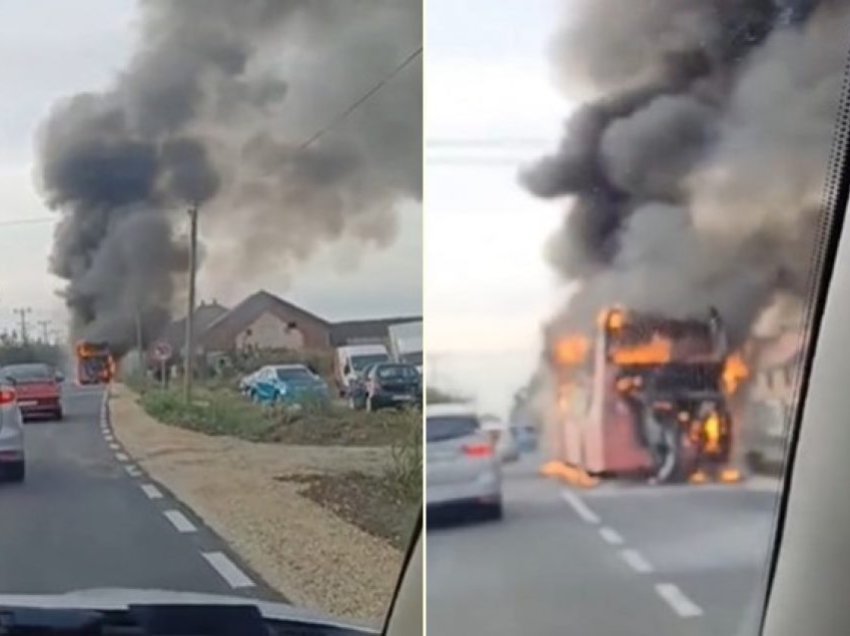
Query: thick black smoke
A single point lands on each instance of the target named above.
(696, 161)
(214, 110)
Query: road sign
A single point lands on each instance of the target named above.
(162, 351)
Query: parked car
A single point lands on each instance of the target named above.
(391, 385)
(12, 457)
(38, 389)
(351, 360)
(506, 444)
(463, 470)
(290, 384)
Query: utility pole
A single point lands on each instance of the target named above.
(44, 324)
(22, 314)
(189, 356)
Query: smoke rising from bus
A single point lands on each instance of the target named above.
(215, 109)
(694, 166)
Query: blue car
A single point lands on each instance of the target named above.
(289, 384)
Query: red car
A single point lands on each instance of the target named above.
(38, 387)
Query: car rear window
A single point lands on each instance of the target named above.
(28, 372)
(438, 428)
(295, 374)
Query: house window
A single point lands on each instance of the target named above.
(248, 333)
(291, 325)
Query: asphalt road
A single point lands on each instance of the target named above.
(618, 560)
(88, 517)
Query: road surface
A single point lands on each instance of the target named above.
(616, 561)
(88, 517)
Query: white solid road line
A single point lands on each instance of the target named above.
(180, 521)
(611, 536)
(152, 491)
(677, 600)
(227, 569)
(121, 457)
(636, 560)
(579, 506)
(133, 471)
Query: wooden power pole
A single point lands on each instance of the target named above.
(189, 356)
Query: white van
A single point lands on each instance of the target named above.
(350, 360)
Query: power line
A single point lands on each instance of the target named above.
(32, 221)
(344, 114)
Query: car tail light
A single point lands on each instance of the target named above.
(7, 396)
(478, 450)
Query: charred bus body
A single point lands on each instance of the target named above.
(95, 364)
(646, 395)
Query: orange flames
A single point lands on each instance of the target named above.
(572, 350)
(658, 350)
(735, 372)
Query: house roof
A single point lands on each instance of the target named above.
(228, 324)
(344, 332)
(205, 314)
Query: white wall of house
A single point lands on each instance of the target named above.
(270, 332)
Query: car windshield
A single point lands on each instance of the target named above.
(28, 372)
(207, 208)
(446, 427)
(295, 375)
(360, 362)
(397, 372)
(617, 263)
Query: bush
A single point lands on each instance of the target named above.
(404, 475)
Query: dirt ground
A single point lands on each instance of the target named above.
(305, 551)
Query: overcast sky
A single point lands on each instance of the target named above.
(50, 49)
(487, 287)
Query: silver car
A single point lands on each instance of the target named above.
(463, 468)
(11, 434)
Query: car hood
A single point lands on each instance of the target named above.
(120, 598)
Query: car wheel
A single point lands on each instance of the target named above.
(493, 512)
(59, 415)
(15, 471)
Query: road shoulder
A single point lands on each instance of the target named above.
(309, 555)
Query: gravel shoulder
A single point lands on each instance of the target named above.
(303, 550)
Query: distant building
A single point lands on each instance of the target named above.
(265, 321)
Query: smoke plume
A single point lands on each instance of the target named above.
(216, 108)
(696, 162)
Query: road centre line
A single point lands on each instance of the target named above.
(179, 520)
(227, 569)
(579, 506)
(611, 536)
(636, 561)
(676, 599)
(151, 491)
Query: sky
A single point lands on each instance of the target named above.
(48, 51)
(490, 106)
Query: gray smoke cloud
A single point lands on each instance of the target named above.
(696, 162)
(214, 109)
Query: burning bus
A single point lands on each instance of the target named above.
(95, 364)
(645, 395)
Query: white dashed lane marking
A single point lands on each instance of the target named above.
(227, 569)
(611, 536)
(151, 491)
(108, 437)
(114, 446)
(636, 561)
(579, 506)
(677, 600)
(133, 471)
(121, 457)
(179, 520)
